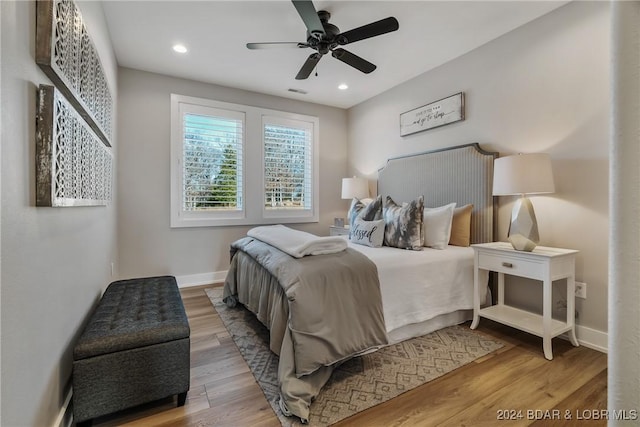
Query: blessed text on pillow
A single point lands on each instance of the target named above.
(368, 233)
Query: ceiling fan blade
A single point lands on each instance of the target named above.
(270, 45)
(308, 66)
(309, 16)
(377, 28)
(354, 60)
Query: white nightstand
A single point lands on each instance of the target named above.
(338, 231)
(544, 264)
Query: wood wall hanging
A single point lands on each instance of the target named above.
(435, 114)
(74, 162)
(66, 53)
(73, 166)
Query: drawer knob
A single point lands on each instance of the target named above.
(507, 264)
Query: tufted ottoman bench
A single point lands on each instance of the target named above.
(134, 350)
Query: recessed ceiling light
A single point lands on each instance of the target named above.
(180, 48)
(343, 86)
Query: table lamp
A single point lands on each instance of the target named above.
(355, 187)
(523, 174)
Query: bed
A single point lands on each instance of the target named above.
(350, 310)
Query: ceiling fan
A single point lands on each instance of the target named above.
(324, 37)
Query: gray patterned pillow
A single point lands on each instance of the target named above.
(403, 224)
(370, 212)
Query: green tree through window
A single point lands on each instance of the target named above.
(224, 191)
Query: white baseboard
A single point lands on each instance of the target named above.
(201, 279)
(591, 338)
(62, 415)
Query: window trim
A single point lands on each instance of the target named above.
(253, 183)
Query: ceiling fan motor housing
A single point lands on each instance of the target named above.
(327, 41)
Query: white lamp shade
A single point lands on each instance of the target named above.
(355, 187)
(523, 174)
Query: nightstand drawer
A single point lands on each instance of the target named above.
(511, 265)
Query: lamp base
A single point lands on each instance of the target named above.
(523, 229)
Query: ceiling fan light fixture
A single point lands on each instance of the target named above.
(180, 48)
(343, 86)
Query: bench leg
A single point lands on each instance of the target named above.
(182, 397)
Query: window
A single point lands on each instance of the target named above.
(208, 146)
(212, 156)
(236, 165)
(288, 155)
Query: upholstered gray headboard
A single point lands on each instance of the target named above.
(462, 174)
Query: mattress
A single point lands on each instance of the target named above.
(418, 286)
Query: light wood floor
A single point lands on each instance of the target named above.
(512, 381)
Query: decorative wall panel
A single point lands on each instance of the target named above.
(66, 53)
(73, 166)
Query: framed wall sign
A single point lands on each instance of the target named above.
(433, 115)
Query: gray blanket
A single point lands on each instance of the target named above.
(331, 304)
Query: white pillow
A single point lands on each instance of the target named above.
(368, 233)
(437, 226)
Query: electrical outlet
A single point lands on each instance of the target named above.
(112, 269)
(581, 290)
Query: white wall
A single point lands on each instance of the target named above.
(1, 108)
(624, 316)
(55, 261)
(540, 88)
(147, 245)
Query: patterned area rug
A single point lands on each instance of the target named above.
(362, 382)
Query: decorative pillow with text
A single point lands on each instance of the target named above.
(368, 233)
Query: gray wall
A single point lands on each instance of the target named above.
(541, 88)
(55, 261)
(146, 243)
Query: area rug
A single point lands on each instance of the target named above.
(364, 381)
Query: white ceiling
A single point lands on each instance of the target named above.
(216, 32)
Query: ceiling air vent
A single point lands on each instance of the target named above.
(303, 92)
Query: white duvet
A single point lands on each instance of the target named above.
(419, 285)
